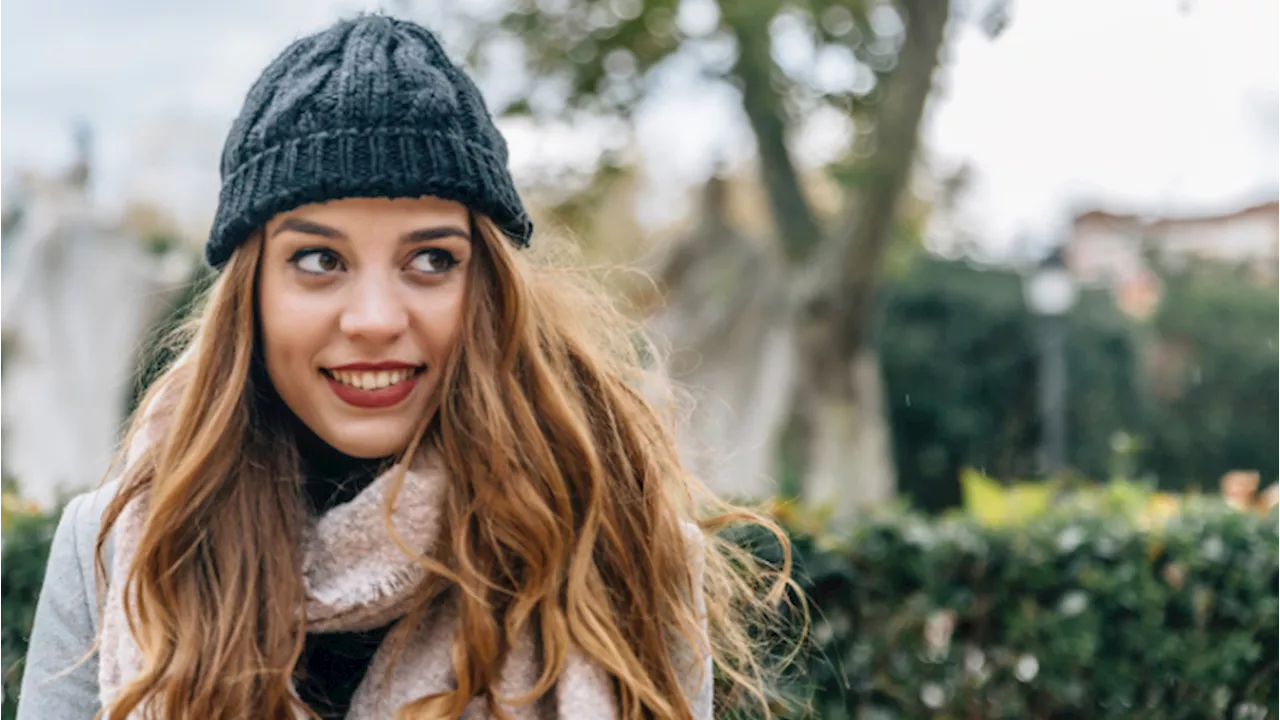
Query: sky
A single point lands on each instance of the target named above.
(1160, 106)
(1127, 104)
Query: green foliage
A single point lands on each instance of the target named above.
(598, 54)
(1185, 398)
(160, 243)
(27, 536)
(1082, 613)
(1213, 408)
(959, 356)
(599, 51)
(994, 504)
(594, 60)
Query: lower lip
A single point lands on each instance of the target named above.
(370, 399)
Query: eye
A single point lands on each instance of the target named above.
(316, 261)
(433, 261)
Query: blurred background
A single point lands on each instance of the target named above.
(945, 256)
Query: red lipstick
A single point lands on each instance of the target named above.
(372, 397)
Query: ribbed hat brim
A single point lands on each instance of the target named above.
(386, 162)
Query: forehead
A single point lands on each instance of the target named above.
(377, 216)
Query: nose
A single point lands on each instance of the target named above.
(375, 313)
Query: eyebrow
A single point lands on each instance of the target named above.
(308, 227)
(435, 233)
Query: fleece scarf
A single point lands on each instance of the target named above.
(356, 578)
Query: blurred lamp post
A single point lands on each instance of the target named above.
(1050, 293)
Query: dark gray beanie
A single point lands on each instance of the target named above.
(371, 107)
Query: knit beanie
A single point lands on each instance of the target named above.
(370, 107)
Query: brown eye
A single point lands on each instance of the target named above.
(317, 261)
(433, 261)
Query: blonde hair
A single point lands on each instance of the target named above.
(563, 515)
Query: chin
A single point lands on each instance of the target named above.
(370, 452)
(369, 445)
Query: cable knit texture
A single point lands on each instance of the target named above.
(357, 578)
(370, 107)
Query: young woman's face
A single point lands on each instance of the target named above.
(360, 302)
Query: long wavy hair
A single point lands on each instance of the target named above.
(563, 516)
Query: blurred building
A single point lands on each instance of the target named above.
(79, 293)
(1124, 251)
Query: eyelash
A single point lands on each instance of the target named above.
(449, 260)
(297, 258)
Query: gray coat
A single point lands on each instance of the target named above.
(56, 684)
(59, 683)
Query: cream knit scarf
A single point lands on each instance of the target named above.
(356, 578)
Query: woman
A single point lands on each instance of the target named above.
(402, 469)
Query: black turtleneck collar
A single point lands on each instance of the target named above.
(333, 664)
(329, 476)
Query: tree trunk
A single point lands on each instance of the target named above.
(793, 353)
(731, 351)
(850, 451)
(850, 459)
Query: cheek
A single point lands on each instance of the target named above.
(294, 329)
(438, 317)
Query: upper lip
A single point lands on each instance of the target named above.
(376, 366)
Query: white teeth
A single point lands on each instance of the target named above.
(371, 380)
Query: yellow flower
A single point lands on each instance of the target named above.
(1159, 509)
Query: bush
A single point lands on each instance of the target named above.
(959, 355)
(1212, 405)
(1118, 603)
(1193, 389)
(1085, 611)
(27, 536)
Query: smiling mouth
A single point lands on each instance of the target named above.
(373, 379)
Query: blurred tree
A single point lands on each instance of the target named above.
(598, 58)
(1212, 378)
(960, 373)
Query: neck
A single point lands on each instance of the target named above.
(330, 477)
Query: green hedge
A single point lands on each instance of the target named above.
(1081, 613)
(1217, 408)
(1194, 387)
(978, 409)
(1077, 614)
(26, 540)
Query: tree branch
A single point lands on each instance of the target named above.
(793, 217)
(868, 224)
